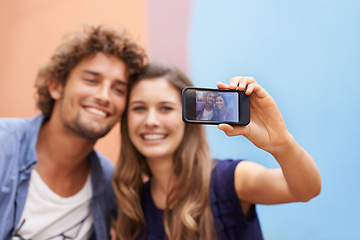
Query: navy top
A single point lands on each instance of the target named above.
(230, 222)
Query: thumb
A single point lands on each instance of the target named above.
(231, 130)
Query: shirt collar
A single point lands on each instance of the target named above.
(28, 153)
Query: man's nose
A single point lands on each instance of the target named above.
(103, 93)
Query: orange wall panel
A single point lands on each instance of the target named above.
(30, 32)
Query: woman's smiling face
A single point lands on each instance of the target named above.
(219, 102)
(154, 118)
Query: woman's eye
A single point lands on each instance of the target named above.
(138, 108)
(165, 108)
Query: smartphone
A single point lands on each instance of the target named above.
(215, 106)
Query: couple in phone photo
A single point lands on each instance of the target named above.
(214, 106)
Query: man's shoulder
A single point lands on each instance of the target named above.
(16, 137)
(10, 124)
(101, 173)
(12, 129)
(17, 126)
(200, 105)
(101, 163)
(104, 161)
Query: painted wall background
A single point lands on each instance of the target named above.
(305, 53)
(30, 32)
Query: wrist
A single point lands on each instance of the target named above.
(287, 147)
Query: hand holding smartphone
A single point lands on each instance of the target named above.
(215, 106)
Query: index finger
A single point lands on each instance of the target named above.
(222, 85)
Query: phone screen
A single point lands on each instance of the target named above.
(212, 105)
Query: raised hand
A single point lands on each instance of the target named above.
(267, 129)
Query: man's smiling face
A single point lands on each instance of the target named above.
(209, 98)
(93, 98)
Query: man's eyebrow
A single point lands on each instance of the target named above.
(119, 81)
(91, 72)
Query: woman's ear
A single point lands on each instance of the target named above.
(55, 89)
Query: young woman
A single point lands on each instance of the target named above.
(221, 111)
(189, 195)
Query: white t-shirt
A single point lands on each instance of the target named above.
(207, 115)
(47, 215)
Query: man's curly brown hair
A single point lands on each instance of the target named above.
(83, 44)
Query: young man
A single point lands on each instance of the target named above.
(52, 182)
(205, 111)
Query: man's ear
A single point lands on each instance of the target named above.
(55, 89)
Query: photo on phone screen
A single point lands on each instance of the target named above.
(217, 106)
(214, 106)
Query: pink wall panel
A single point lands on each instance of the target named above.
(168, 23)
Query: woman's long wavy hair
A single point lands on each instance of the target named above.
(191, 216)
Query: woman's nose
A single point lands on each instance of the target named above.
(152, 118)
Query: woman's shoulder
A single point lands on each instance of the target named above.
(229, 219)
(226, 165)
(222, 176)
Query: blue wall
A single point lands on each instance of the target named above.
(306, 54)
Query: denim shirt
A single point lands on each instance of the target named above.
(18, 138)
